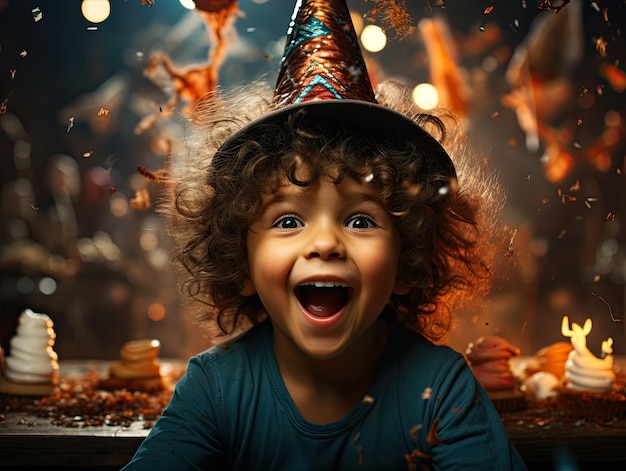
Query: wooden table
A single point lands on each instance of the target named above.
(32, 441)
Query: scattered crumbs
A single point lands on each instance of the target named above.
(427, 393)
(37, 14)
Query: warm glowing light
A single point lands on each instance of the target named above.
(95, 11)
(188, 4)
(426, 96)
(373, 38)
(156, 312)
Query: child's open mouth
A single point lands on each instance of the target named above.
(323, 298)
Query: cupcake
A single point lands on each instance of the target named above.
(589, 391)
(32, 369)
(488, 358)
(546, 373)
(138, 368)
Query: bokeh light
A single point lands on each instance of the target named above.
(426, 96)
(95, 11)
(373, 38)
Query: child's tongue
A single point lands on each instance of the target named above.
(322, 302)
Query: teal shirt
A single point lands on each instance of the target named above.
(231, 411)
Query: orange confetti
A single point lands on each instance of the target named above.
(158, 177)
(141, 201)
(488, 10)
(104, 112)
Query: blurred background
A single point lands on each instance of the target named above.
(93, 90)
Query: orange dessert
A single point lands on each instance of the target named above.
(139, 368)
(488, 358)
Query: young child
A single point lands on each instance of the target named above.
(335, 232)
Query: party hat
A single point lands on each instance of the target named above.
(323, 78)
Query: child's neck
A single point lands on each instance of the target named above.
(326, 390)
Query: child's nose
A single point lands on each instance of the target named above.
(325, 243)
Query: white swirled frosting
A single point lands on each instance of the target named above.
(589, 373)
(32, 359)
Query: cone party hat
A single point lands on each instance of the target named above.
(323, 79)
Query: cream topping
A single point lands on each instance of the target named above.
(138, 360)
(32, 358)
(583, 370)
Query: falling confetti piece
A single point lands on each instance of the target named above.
(607, 305)
(12, 73)
(37, 14)
(3, 106)
(488, 10)
(427, 393)
(104, 112)
(610, 217)
(87, 154)
(23, 53)
(92, 28)
(34, 207)
(141, 201)
(70, 124)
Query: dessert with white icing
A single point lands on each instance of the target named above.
(32, 368)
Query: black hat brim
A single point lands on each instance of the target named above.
(349, 116)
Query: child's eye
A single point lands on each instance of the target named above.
(361, 221)
(288, 221)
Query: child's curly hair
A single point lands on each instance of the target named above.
(445, 228)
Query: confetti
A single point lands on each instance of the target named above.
(37, 14)
(488, 10)
(607, 305)
(158, 177)
(87, 154)
(34, 207)
(23, 53)
(70, 123)
(12, 73)
(3, 106)
(427, 393)
(141, 201)
(104, 112)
